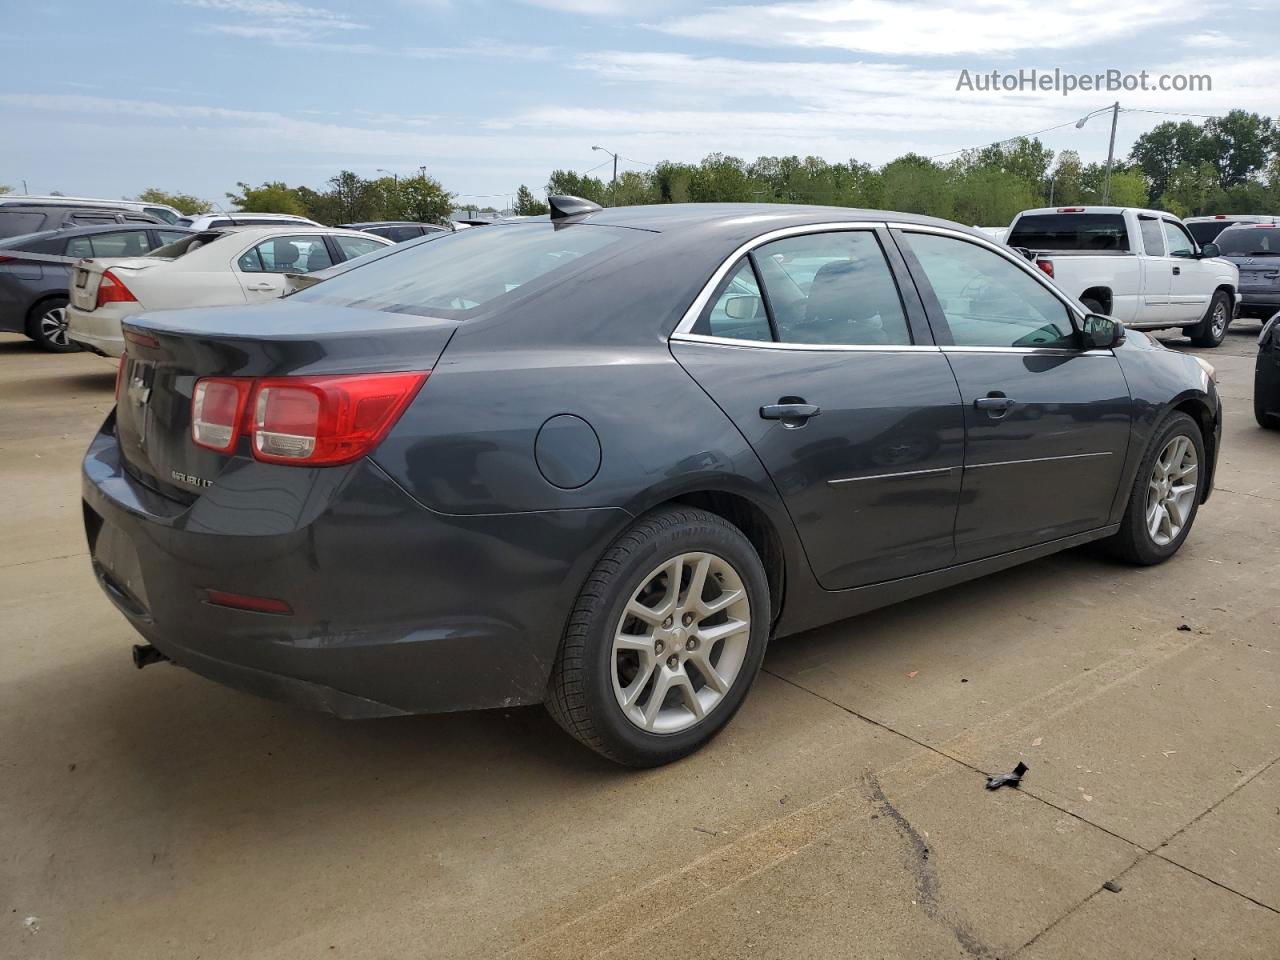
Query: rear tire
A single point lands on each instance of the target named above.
(47, 326)
(633, 678)
(1149, 536)
(1210, 331)
(1267, 421)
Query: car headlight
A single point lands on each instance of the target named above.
(1207, 367)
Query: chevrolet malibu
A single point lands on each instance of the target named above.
(598, 459)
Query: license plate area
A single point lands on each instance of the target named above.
(116, 563)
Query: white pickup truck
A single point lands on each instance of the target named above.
(1141, 267)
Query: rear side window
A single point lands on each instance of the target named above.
(300, 254)
(1152, 236)
(737, 311)
(170, 236)
(832, 288)
(124, 243)
(400, 234)
(456, 275)
(1099, 232)
(14, 224)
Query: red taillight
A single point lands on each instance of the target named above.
(124, 361)
(1071, 209)
(216, 408)
(244, 601)
(309, 421)
(1046, 266)
(112, 290)
(1220, 216)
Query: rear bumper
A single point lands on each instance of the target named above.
(1256, 304)
(396, 609)
(98, 331)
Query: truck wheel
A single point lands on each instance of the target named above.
(1210, 331)
(47, 326)
(664, 641)
(1165, 495)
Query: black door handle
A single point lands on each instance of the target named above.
(1177, 271)
(792, 411)
(995, 406)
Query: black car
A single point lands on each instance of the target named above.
(1255, 249)
(35, 270)
(599, 459)
(1266, 376)
(397, 231)
(19, 218)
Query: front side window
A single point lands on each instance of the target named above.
(832, 288)
(1180, 244)
(353, 247)
(737, 311)
(457, 274)
(1152, 236)
(989, 301)
(297, 254)
(399, 234)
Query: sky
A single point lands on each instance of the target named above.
(106, 99)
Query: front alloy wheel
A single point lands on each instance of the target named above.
(1171, 490)
(665, 638)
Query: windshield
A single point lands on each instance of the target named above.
(1250, 241)
(1100, 232)
(455, 274)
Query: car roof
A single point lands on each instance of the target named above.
(391, 223)
(271, 229)
(733, 217)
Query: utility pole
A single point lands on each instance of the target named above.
(1111, 152)
(615, 161)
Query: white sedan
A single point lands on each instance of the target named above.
(223, 267)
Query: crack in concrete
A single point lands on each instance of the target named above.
(27, 563)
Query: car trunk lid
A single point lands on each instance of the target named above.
(86, 276)
(167, 352)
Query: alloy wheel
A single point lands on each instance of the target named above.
(680, 643)
(1171, 490)
(1218, 323)
(53, 327)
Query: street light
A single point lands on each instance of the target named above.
(1111, 149)
(395, 177)
(615, 161)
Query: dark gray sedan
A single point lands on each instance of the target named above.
(598, 460)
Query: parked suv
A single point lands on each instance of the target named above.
(1141, 267)
(1255, 250)
(160, 210)
(1206, 229)
(18, 218)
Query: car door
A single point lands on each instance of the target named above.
(261, 268)
(1157, 273)
(1047, 422)
(1192, 278)
(819, 353)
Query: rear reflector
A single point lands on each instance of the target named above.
(1071, 209)
(308, 421)
(1046, 266)
(112, 290)
(140, 339)
(216, 408)
(242, 601)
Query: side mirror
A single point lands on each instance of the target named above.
(1209, 250)
(1102, 333)
(742, 308)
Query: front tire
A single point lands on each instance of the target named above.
(664, 640)
(1166, 494)
(1210, 331)
(47, 326)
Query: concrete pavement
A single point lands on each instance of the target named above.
(842, 814)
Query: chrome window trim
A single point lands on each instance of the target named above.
(934, 472)
(1014, 463)
(684, 328)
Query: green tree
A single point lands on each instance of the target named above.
(568, 183)
(720, 179)
(184, 203)
(5, 188)
(1239, 145)
(422, 199)
(527, 205)
(1129, 188)
(630, 189)
(1160, 151)
(986, 196)
(1067, 187)
(1193, 190)
(271, 197)
(915, 184)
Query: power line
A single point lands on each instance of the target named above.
(997, 143)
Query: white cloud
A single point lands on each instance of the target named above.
(926, 28)
(482, 48)
(605, 8)
(285, 23)
(1211, 39)
(282, 11)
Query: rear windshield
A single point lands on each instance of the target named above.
(454, 275)
(1100, 232)
(1206, 230)
(1250, 242)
